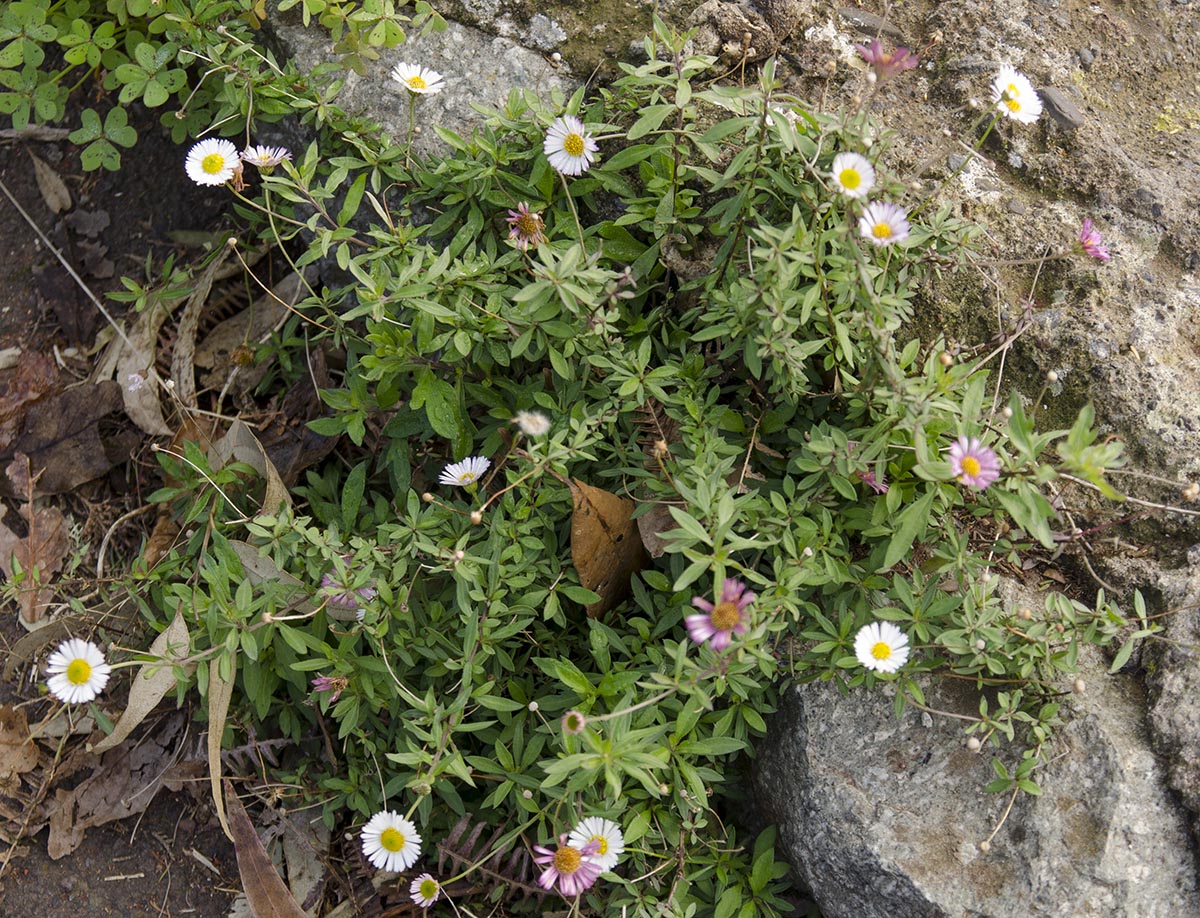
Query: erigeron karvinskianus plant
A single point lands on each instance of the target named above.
(721, 259)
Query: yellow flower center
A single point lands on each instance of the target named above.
(573, 144)
(882, 230)
(79, 672)
(529, 224)
(850, 179)
(882, 650)
(213, 163)
(567, 859)
(428, 888)
(602, 841)
(417, 82)
(1014, 104)
(1014, 91)
(725, 616)
(970, 466)
(392, 839)
(467, 478)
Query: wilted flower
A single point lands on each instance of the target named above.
(525, 227)
(881, 646)
(336, 684)
(425, 890)
(212, 162)
(418, 79)
(883, 223)
(886, 65)
(265, 158)
(1015, 97)
(853, 175)
(532, 423)
(867, 477)
(390, 841)
(974, 464)
(571, 868)
(78, 671)
(573, 723)
(606, 834)
(569, 146)
(342, 594)
(723, 620)
(1091, 241)
(467, 472)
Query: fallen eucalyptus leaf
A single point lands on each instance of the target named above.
(153, 680)
(240, 445)
(265, 890)
(50, 184)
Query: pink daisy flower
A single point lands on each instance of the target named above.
(1091, 241)
(526, 229)
(974, 464)
(573, 869)
(723, 620)
(886, 65)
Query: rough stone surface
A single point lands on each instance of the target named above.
(1174, 683)
(883, 818)
(479, 68)
(753, 29)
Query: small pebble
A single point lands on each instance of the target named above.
(1016, 207)
(1086, 58)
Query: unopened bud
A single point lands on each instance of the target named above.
(527, 794)
(1051, 377)
(1025, 613)
(1191, 492)
(476, 517)
(1078, 686)
(458, 555)
(1007, 412)
(427, 497)
(973, 744)
(808, 552)
(973, 103)
(945, 359)
(985, 846)
(980, 644)
(232, 242)
(533, 706)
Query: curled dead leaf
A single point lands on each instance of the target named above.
(240, 445)
(265, 890)
(605, 545)
(220, 691)
(18, 754)
(152, 681)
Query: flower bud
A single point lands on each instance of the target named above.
(980, 644)
(973, 744)
(985, 846)
(1052, 377)
(476, 517)
(533, 706)
(427, 497)
(1078, 686)
(945, 359)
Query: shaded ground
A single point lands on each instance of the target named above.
(171, 861)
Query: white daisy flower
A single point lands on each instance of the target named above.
(569, 147)
(212, 162)
(852, 174)
(425, 890)
(532, 423)
(78, 672)
(418, 79)
(881, 646)
(265, 158)
(467, 472)
(390, 842)
(1015, 97)
(883, 223)
(606, 833)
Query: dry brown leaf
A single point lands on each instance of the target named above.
(162, 539)
(50, 184)
(152, 681)
(62, 439)
(652, 524)
(123, 783)
(183, 370)
(266, 892)
(18, 754)
(35, 375)
(260, 568)
(220, 691)
(45, 547)
(605, 546)
(132, 362)
(305, 853)
(240, 445)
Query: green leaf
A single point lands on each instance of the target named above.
(912, 520)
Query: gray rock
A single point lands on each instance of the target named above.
(882, 818)
(1060, 107)
(1174, 683)
(870, 25)
(1086, 58)
(724, 26)
(478, 68)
